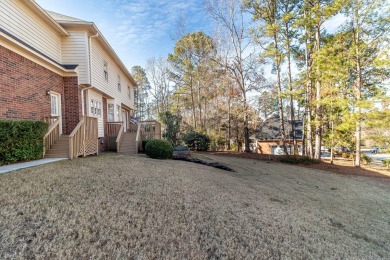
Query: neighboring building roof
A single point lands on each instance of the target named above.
(61, 17)
(270, 129)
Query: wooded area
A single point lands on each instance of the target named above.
(278, 59)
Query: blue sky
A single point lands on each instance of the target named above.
(136, 29)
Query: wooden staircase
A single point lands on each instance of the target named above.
(60, 149)
(127, 145)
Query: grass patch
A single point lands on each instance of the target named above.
(115, 206)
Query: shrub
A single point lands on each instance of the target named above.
(21, 140)
(144, 142)
(297, 160)
(364, 157)
(159, 149)
(197, 141)
(386, 162)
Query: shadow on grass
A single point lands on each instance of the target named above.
(338, 167)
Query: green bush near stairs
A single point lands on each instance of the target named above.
(21, 140)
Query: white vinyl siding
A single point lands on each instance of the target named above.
(110, 87)
(94, 96)
(75, 51)
(24, 24)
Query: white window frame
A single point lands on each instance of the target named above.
(119, 83)
(105, 69)
(95, 107)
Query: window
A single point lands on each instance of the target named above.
(110, 112)
(119, 83)
(54, 105)
(118, 109)
(95, 108)
(106, 71)
(129, 92)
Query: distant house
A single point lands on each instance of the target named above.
(269, 139)
(61, 69)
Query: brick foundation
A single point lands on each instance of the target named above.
(23, 87)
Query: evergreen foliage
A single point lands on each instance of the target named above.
(21, 140)
(159, 149)
(196, 141)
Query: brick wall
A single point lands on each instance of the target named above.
(72, 103)
(23, 87)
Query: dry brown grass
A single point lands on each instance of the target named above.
(133, 207)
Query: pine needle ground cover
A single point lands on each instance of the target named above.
(121, 207)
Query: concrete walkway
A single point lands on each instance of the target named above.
(18, 166)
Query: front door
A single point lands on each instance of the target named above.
(125, 120)
(55, 102)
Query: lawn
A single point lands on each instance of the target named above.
(114, 206)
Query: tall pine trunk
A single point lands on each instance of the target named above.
(280, 100)
(308, 133)
(358, 88)
(292, 113)
(318, 131)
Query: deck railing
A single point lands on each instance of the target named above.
(83, 140)
(138, 138)
(112, 133)
(52, 135)
(150, 130)
(119, 137)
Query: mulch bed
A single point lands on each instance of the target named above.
(339, 167)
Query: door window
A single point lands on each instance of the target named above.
(54, 105)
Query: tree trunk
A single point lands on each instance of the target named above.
(246, 126)
(280, 101)
(358, 90)
(193, 104)
(318, 133)
(308, 140)
(292, 115)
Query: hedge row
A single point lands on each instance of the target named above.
(21, 140)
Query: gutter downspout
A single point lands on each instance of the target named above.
(90, 73)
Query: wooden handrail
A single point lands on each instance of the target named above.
(137, 138)
(51, 128)
(72, 141)
(76, 128)
(84, 138)
(52, 135)
(119, 137)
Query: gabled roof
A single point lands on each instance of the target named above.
(270, 130)
(37, 9)
(72, 22)
(61, 17)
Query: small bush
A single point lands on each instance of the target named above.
(159, 149)
(197, 141)
(386, 162)
(144, 142)
(297, 160)
(21, 140)
(364, 157)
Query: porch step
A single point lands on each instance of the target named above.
(59, 149)
(127, 145)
